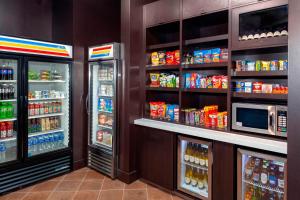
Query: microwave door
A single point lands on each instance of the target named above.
(271, 120)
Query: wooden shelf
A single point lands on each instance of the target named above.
(167, 89)
(205, 90)
(260, 96)
(206, 39)
(205, 65)
(163, 45)
(260, 74)
(162, 67)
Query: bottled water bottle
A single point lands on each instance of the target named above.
(30, 149)
(34, 145)
(56, 140)
(46, 142)
(61, 140)
(41, 143)
(2, 151)
(51, 141)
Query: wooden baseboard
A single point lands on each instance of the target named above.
(127, 177)
(79, 164)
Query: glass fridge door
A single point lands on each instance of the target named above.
(8, 109)
(194, 167)
(48, 106)
(261, 176)
(102, 101)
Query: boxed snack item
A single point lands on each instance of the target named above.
(187, 80)
(170, 57)
(217, 82)
(155, 80)
(265, 65)
(216, 54)
(274, 65)
(207, 56)
(154, 58)
(224, 55)
(198, 57)
(267, 88)
(170, 115)
(193, 80)
(248, 87)
(257, 87)
(162, 57)
(176, 57)
(224, 82)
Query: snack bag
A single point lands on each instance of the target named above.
(163, 80)
(170, 112)
(265, 65)
(198, 80)
(170, 57)
(170, 79)
(216, 54)
(193, 80)
(217, 82)
(224, 55)
(197, 118)
(187, 80)
(154, 59)
(162, 57)
(274, 65)
(161, 111)
(224, 82)
(220, 117)
(176, 57)
(198, 57)
(155, 80)
(203, 83)
(176, 113)
(209, 83)
(153, 110)
(207, 56)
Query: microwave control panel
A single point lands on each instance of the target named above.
(282, 123)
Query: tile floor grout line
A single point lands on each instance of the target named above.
(101, 188)
(76, 191)
(54, 189)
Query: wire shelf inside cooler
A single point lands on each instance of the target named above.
(273, 189)
(196, 190)
(205, 168)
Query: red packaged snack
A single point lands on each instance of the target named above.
(176, 57)
(217, 81)
(161, 110)
(213, 120)
(153, 110)
(257, 87)
(193, 80)
(170, 57)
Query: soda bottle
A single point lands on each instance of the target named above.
(42, 110)
(37, 109)
(10, 73)
(1, 92)
(4, 73)
(1, 72)
(11, 91)
(3, 133)
(9, 110)
(9, 129)
(2, 151)
(4, 91)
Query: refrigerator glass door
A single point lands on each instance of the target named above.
(194, 167)
(102, 102)
(48, 107)
(8, 109)
(261, 176)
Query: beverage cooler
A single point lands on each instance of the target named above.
(261, 176)
(104, 68)
(35, 92)
(194, 160)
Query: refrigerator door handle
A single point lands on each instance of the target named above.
(87, 104)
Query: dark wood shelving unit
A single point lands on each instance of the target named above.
(260, 74)
(206, 39)
(205, 90)
(205, 65)
(163, 89)
(162, 67)
(260, 96)
(163, 45)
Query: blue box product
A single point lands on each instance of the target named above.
(198, 57)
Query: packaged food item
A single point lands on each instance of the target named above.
(197, 117)
(192, 116)
(163, 80)
(248, 87)
(177, 81)
(283, 65)
(177, 57)
(207, 56)
(202, 117)
(239, 86)
(170, 57)
(193, 80)
(217, 82)
(209, 83)
(161, 111)
(154, 110)
(187, 80)
(198, 80)
(258, 65)
(224, 82)
(257, 87)
(170, 116)
(154, 58)
(161, 57)
(225, 119)
(220, 118)
(238, 65)
(215, 53)
(267, 88)
(171, 80)
(198, 57)
(213, 120)
(176, 113)
(274, 66)
(250, 66)
(265, 65)
(224, 55)
(203, 83)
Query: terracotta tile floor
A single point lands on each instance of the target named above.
(87, 184)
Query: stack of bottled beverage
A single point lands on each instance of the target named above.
(2, 152)
(45, 143)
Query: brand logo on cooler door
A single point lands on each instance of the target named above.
(101, 52)
(19, 45)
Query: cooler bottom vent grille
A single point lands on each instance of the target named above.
(24, 176)
(101, 162)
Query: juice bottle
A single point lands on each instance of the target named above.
(42, 110)
(46, 108)
(50, 108)
(37, 109)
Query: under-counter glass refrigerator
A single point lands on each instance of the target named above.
(194, 165)
(261, 176)
(104, 70)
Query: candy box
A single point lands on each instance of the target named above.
(216, 54)
(248, 87)
(170, 57)
(267, 88)
(155, 80)
(198, 57)
(154, 58)
(207, 56)
(224, 55)
(162, 57)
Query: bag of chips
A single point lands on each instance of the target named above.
(154, 59)
(176, 57)
(170, 57)
(216, 54)
(162, 57)
(198, 57)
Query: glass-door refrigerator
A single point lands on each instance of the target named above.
(261, 176)
(104, 68)
(194, 165)
(10, 150)
(48, 105)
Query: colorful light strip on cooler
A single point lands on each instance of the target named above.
(19, 45)
(105, 51)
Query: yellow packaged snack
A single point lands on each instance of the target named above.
(154, 58)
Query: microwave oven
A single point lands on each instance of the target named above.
(260, 118)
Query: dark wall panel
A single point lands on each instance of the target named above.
(30, 18)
